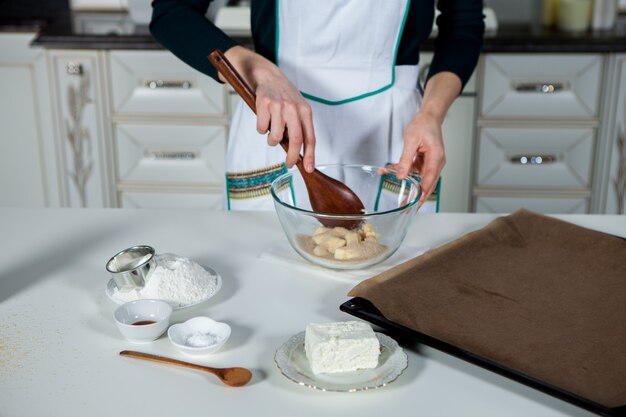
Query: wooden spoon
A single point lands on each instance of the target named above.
(327, 195)
(234, 377)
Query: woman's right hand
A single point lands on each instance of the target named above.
(279, 105)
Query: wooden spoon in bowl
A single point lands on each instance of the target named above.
(327, 195)
(234, 377)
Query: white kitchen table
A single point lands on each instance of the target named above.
(59, 345)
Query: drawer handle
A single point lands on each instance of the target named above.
(172, 155)
(533, 159)
(154, 84)
(545, 88)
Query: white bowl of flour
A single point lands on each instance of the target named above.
(179, 281)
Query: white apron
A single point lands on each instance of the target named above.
(361, 101)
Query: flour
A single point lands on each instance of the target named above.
(176, 280)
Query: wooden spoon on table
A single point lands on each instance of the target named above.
(234, 377)
(327, 195)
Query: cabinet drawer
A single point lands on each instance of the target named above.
(508, 204)
(158, 83)
(535, 157)
(139, 199)
(544, 86)
(170, 153)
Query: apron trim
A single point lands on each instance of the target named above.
(252, 184)
(390, 183)
(361, 96)
(348, 100)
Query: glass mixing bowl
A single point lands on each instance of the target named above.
(390, 204)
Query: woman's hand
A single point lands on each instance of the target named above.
(423, 152)
(279, 105)
(423, 142)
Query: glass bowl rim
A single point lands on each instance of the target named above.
(349, 216)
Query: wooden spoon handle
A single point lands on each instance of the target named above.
(170, 361)
(224, 67)
(230, 74)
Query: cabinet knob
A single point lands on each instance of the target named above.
(74, 68)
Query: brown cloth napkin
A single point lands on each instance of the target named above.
(533, 293)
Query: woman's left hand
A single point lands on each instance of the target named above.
(423, 151)
(423, 142)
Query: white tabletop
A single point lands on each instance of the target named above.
(59, 345)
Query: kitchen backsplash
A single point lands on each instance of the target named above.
(508, 11)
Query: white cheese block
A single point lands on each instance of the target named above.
(341, 347)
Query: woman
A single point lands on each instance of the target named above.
(340, 75)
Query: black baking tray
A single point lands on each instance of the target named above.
(362, 308)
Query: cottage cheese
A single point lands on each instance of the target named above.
(341, 347)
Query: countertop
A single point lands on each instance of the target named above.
(92, 30)
(59, 345)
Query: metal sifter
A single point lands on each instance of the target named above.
(131, 268)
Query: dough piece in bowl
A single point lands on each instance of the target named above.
(346, 245)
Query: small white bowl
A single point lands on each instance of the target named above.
(129, 316)
(199, 328)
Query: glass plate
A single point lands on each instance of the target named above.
(218, 285)
(293, 363)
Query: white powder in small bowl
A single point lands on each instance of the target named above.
(176, 280)
(201, 339)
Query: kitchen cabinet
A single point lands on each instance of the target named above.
(612, 181)
(82, 130)
(537, 81)
(91, 128)
(153, 133)
(170, 129)
(531, 130)
(538, 132)
(28, 167)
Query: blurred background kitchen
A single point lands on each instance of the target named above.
(94, 113)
